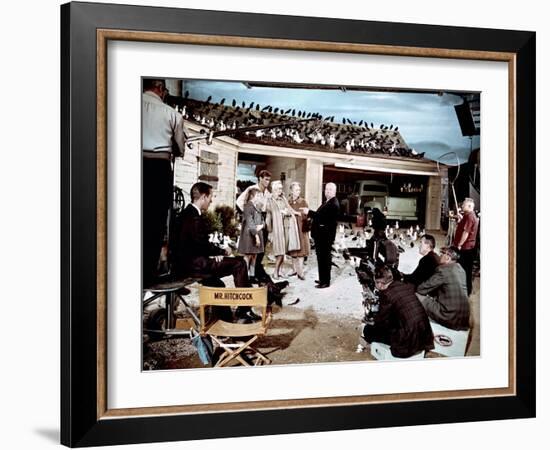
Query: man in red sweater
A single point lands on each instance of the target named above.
(465, 239)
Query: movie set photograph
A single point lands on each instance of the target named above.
(287, 223)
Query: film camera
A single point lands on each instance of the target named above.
(371, 302)
(366, 260)
(365, 266)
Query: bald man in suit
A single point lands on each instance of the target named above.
(323, 231)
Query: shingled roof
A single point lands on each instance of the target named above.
(320, 134)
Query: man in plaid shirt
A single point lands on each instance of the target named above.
(447, 303)
(401, 321)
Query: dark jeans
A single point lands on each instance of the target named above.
(376, 333)
(323, 251)
(156, 197)
(466, 260)
(235, 266)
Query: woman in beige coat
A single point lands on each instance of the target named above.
(282, 226)
(297, 202)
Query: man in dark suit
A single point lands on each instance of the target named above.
(427, 264)
(401, 322)
(195, 255)
(323, 231)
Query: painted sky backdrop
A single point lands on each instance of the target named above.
(427, 122)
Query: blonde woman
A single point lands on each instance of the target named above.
(282, 227)
(296, 202)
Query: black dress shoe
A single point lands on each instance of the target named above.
(317, 281)
(322, 285)
(250, 315)
(253, 316)
(244, 320)
(275, 297)
(281, 285)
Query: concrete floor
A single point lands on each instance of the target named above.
(313, 325)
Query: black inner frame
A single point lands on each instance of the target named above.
(79, 425)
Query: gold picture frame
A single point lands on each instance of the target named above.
(86, 416)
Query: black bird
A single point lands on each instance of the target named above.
(275, 110)
(391, 126)
(371, 125)
(186, 94)
(288, 110)
(396, 128)
(258, 107)
(222, 101)
(265, 108)
(251, 105)
(344, 120)
(243, 104)
(361, 122)
(208, 99)
(234, 103)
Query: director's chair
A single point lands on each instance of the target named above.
(235, 339)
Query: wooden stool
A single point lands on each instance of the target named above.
(163, 318)
(382, 352)
(449, 342)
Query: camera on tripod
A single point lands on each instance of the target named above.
(365, 267)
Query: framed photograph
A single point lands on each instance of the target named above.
(278, 224)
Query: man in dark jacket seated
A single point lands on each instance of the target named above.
(196, 256)
(445, 295)
(401, 321)
(427, 264)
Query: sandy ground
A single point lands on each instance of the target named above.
(323, 326)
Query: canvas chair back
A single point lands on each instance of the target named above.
(233, 297)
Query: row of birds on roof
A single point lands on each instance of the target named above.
(318, 132)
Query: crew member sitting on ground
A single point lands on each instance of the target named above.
(427, 264)
(400, 322)
(449, 305)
